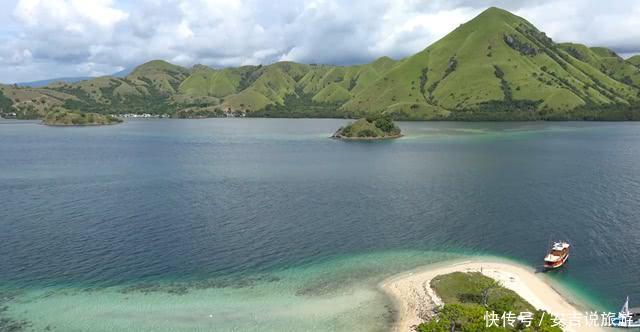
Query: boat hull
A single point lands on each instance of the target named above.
(555, 265)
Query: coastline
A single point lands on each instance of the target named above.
(415, 300)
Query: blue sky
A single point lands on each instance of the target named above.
(41, 39)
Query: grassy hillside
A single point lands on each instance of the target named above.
(634, 60)
(253, 88)
(29, 103)
(497, 62)
(150, 88)
(497, 66)
(158, 75)
(205, 81)
(607, 61)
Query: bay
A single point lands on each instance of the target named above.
(267, 224)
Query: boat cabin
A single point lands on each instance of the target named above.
(559, 248)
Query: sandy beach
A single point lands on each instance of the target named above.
(415, 300)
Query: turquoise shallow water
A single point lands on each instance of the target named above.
(336, 294)
(265, 224)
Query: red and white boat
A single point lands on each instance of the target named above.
(558, 254)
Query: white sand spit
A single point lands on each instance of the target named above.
(415, 300)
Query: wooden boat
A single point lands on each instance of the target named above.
(627, 317)
(557, 255)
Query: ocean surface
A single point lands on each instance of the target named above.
(269, 225)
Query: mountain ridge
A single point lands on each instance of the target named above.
(497, 66)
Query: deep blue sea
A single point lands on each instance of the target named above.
(267, 224)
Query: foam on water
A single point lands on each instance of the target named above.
(486, 131)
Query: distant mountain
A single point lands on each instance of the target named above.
(123, 73)
(43, 83)
(497, 66)
(39, 84)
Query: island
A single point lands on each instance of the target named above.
(64, 117)
(456, 294)
(369, 128)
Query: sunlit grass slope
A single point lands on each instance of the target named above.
(496, 58)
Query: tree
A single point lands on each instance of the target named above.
(486, 285)
(5, 103)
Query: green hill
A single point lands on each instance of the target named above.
(158, 75)
(497, 66)
(497, 62)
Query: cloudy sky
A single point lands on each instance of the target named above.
(41, 39)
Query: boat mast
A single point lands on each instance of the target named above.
(625, 307)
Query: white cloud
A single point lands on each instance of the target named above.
(407, 31)
(21, 56)
(72, 15)
(49, 38)
(612, 24)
